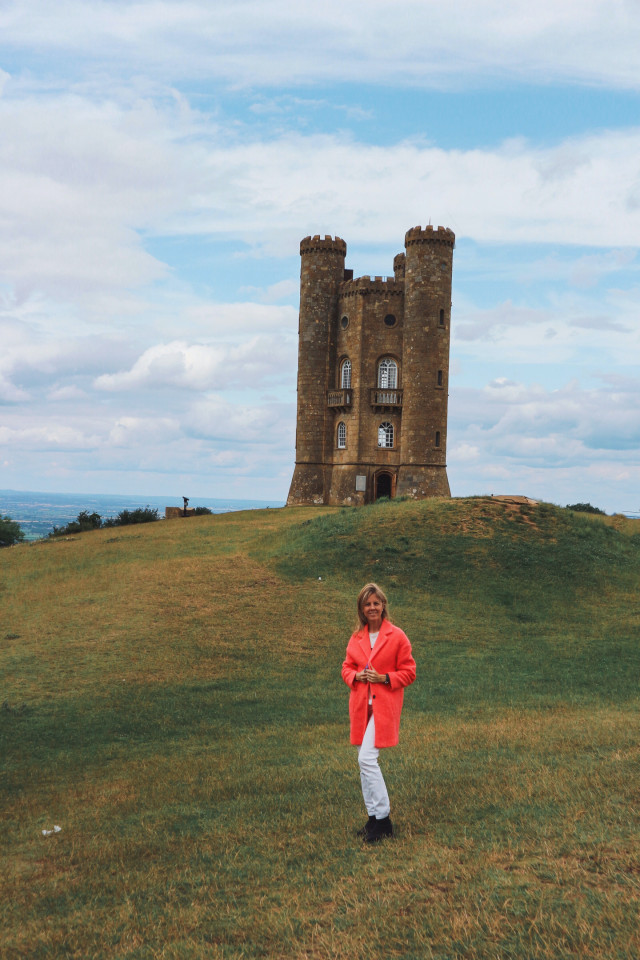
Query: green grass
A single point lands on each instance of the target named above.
(172, 698)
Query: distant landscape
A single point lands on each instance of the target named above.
(171, 699)
(39, 513)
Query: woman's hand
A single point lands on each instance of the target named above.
(372, 676)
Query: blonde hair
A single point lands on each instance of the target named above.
(363, 596)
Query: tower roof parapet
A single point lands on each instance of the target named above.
(364, 286)
(430, 235)
(325, 244)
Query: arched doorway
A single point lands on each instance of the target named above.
(384, 485)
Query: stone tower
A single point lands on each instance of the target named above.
(373, 373)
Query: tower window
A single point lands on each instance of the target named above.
(344, 323)
(385, 434)
(442, 318)
(342, 435)
(345, 375)
(437, 438)
(390, 320)
(439, 378)
(388, 374)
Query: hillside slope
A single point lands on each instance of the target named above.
(172, 699)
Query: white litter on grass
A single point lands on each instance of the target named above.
(47, 833)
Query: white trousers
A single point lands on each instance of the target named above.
(374, 790)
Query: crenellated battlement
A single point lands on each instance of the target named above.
(368, 286)
(325, 244)
(430, 235)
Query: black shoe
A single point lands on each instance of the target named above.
(362, 832)
(378, 830)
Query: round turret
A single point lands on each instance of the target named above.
(321, 273)
(399, 265)
(427, 316)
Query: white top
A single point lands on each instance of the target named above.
(372, 637)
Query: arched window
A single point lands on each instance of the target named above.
(342, 435)
(345, 375)
(387, 374)
(437, 438)
(439, 378)
(442, 318)
(385, 434)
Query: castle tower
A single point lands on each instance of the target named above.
(373, 372)
(322, 269)
(427, 331)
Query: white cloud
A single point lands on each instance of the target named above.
(532, 424)
(202, 367)
(588, 270)
(35, 358)
(143, 431)
(269, 42)
(565, 446)
(83, 182)
(229, 322)
(283, 289)
(463, 452)
(215, 418)
(594, 330)
(515, 193)
(10, 393)
(68, 393)
(79, 180)
(52, 436)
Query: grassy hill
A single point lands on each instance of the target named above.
(172, 699)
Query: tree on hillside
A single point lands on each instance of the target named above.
(10, 532)
(139, 515)
(84, 521)
(584, 508)
(93, 521)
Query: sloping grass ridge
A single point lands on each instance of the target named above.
(171, 698)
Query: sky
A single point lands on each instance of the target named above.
(161, 160)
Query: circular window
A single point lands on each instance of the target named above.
(390, 320)
(344, 323)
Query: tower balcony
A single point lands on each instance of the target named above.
(339, 399)
(386, 398)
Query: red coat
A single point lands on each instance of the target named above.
(391, 654)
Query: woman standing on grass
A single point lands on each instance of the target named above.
(377, 668)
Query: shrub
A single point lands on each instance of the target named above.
(93, 521)
(89, 521)
(10, 532)
(201, 511)
(127, 517)
(584, 508)
(84, 521)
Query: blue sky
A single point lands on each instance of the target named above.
(160, 162)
